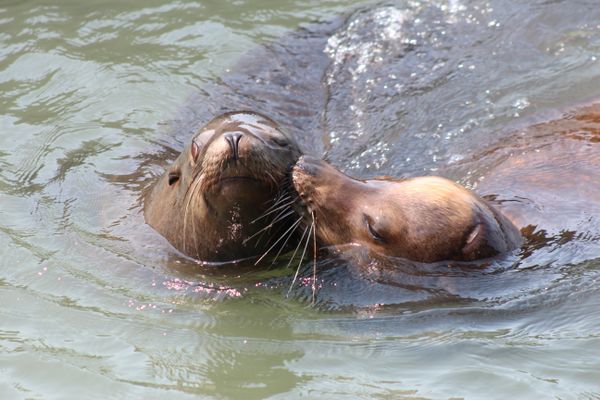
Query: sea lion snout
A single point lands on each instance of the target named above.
(318, 172)
(317, 181)
(307, 165)
(309, 173)
(232, 145)
(301, 175)
(233, 139)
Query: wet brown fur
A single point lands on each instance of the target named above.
(552, 169)
(423, 219)
(208, 213)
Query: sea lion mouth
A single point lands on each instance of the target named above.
(217, 176)
(239, 187)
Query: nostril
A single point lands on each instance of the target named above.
(233, 139)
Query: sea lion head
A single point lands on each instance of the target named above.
(227, 176)
(424, 219)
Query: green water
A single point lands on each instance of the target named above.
(92, 303)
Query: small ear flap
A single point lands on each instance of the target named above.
(174, 177)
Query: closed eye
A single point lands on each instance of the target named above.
(374, 234)
(280, 142)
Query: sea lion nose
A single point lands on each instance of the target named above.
(233, 138)
(309, 165)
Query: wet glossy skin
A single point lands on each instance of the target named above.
(225, 178)
(423, 219)
(544, 179)
(547, 177)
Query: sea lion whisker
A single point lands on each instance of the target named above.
(278, 240)
(301, 258)
(194, 179)
(185, 217)
(279, 198)
(282, 214)
(297, 247)
(195, 198)
(277, 206)
(314, 280)
(266, 227)
(188, 201)
(272, 202)
(185, 223)
(270, 175)
(269, 226)
(272, 211)
(298, 221)
(196, 237)
(282, 195)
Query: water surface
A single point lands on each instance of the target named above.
(98, 97)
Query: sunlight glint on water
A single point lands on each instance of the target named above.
(96, 305)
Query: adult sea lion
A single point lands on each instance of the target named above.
(423, 219)
(210, 201)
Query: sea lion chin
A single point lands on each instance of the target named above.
(208, 201)
(425, 219)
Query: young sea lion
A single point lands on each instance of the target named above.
(423, 219)
(209, 202)
(545, 179)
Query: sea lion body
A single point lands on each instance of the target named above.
(208, 202)
(423, 219)
(545, 182)
(548, 179)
